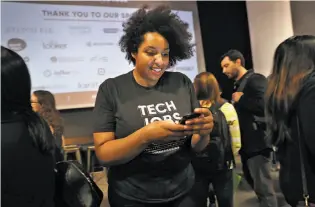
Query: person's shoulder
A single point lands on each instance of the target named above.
(227, 108)
(257, 76)
(227, 105)
(109, 83)
(170, 74)
(255, 80)
(7, 118)
(123, 77)
(308, 87)
(310, 80)
(12, 127)
(176, 77)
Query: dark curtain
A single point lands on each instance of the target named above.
(224, 26)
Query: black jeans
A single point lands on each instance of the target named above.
(116, 200)
(222, 182)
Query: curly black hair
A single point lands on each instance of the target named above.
(163, 21)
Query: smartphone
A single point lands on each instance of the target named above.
(187, 117)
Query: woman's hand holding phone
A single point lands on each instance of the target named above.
(200, 122)
(187, 117)
(202, 125)
(165, 131)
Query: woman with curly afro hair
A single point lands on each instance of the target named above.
(136, 132)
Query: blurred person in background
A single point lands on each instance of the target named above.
(44, 103)
(27, 145)
(214, 165)
(256, 150)
(290, 111)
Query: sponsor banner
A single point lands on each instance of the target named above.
(16, 44)
(88, 85)
(79, 30)
(95, 44)
(101, 71)
(27, 30)
(53, 45)
(59, 73)
(98, 58)
(66, 59)
(110, 30)
(49, 87)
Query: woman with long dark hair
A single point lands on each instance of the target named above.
(27, 145)
(44, 103)
(290, 109)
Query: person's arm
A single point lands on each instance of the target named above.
(253, 99)
(108, 149)
(234, 127)
(198, 142)
(307, 118)
(112, 151)
(118, 151)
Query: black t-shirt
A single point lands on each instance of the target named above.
(162, 172)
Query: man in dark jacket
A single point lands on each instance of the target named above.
(248, 99)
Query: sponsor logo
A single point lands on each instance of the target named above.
(28, 30)
(101, 71)
(79, 30)
(47, 73)
(93, 44)
(26, 59)
(110, 30)
(99, 59)
(59, 73)
(89, 85)
(54, 45)
(63, 59)
(16, 44)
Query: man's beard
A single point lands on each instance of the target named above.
(235, 74)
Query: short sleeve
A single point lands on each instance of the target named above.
(104, 110)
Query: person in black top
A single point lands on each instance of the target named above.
(290, 95)
(135, 133)
(249, 104)
(27, 145)
(44, 103)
